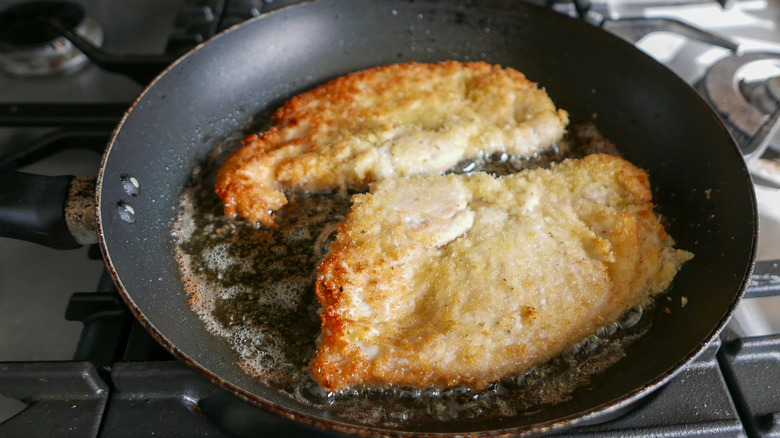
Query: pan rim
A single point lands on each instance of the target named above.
(339, 426)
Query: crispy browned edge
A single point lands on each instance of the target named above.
(339, 364)
(232, 187)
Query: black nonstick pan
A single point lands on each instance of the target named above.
(700, 183)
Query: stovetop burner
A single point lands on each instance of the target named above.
(31, 46)
(745, 91)
(27, 24)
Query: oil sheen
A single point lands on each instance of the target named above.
(254, 286)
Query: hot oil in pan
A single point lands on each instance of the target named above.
(255, 287)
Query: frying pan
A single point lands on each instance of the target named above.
(700, 183)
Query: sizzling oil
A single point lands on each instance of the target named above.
(255, 287)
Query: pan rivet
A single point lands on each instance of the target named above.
(126, 212)
(130, 184)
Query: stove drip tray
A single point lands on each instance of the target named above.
(30, 45)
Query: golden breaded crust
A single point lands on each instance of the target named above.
(465, 279)
(397, 120)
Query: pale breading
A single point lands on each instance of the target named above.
(466, 279)
(397, 120)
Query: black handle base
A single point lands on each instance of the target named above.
(32, 208)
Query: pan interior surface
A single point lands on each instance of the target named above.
(699, 180)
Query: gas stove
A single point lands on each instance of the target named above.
(73, 354)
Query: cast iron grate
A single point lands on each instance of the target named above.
(122, 383)
(163, 397)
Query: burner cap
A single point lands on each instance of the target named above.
(30, 46)
(27, 24)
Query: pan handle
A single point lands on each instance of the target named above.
(55, 211)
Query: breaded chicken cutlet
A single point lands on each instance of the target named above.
(466, 279)
(398, 120)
